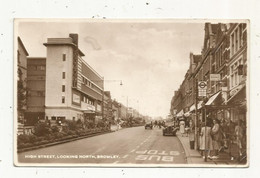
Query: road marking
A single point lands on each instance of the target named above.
(132, 151)
(125, 156)
(115, 162)
(155, 157)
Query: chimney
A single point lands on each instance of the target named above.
(74, 37)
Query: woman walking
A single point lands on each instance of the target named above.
(216, 137)
(205, 139)
(182, 127)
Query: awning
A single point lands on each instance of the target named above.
(192, 108)
(180, 114)
(88, 112)
(239, 96)
(212, 99)
(187, 114)
(199, 105)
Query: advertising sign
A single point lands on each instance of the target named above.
(75, 98)
(214, 77)
(98, 107)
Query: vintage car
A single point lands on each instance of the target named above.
(169, 130)
(148, 126)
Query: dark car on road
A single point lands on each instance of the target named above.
(148, 126)
(169, 130)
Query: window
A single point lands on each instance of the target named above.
(64, 57)
(63, 75)
(53, 118)
(18, 57)
(232, 44)
(32, 67)
(41, 67)
(241, 35)
(63, 99)
(236, 39)
(63, 88)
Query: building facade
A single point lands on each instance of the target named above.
(35, 90)
(222, 64)
(74, 90)
(21, 80)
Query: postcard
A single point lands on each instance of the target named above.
(131, 93)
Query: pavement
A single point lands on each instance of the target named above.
(193, 156)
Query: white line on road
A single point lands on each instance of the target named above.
(132, 151)
(115, 162)
(125, 156)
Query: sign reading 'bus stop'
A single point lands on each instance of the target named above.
(202, 88)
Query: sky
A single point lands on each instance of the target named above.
(149, 57)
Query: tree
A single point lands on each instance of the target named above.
(21, 94)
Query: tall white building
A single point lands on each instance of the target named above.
(73, 89)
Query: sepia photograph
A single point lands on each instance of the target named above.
(131, 93)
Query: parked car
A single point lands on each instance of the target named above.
(169, 130)
(148, 126)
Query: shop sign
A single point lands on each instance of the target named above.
(98, 107)
(214, 77)
(234, 91)
(76, 98)
(87, 106)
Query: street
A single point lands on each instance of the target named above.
(127, 146)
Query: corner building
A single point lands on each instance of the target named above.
(73, 89)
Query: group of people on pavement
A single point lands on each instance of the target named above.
(218, 135)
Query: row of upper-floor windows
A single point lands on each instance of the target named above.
(236, 73)
(236, 38)
(36, 67)
(87, 100)
(90, 84)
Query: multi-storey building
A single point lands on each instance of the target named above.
(74, 90)
(107, 105)
(224, 54)
(237, 71)
(36, 74)
(123, 112)
(21, 80)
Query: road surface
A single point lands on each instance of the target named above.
(127, 146)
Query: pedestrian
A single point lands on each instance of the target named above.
(229, 130)
(239, 137)
(205, 140)
(182, 127)
(216, 137)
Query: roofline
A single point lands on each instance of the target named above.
(93, 70)
(36, 57)
(72, 44)
(20, 41)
